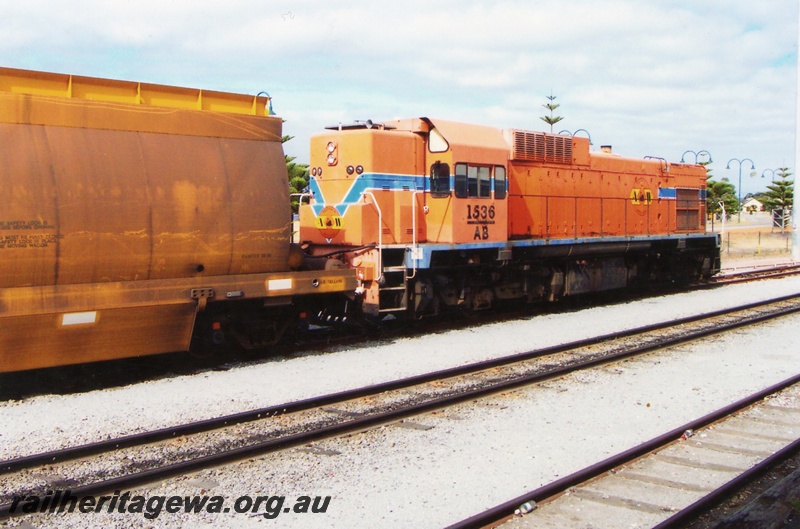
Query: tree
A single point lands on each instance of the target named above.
(298, 180)
(551, 106)
(707, 165)
(779, 198)
(721, 191)
(298, 177)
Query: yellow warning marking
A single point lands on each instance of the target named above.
(329, 222)
(641, 196)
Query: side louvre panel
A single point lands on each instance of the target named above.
(540, 147)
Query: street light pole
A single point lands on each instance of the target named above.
(764, 174)
(697, 155)
(739, 190)
(577, 131)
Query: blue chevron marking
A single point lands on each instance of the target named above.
(365, 182)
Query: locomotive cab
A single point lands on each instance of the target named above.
(385, 195)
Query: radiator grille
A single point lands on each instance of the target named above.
(541, 147)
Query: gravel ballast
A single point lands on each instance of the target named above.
(466, 458)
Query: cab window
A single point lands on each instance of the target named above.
(473, 181)
(440, 179)
(461, 180)
(478, 183)
(500, 186)
(437, 142)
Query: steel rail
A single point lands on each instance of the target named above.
(256, 449)
(507, 508)
(703, 504)
(755, 274)
(162, 434)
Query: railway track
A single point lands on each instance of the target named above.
(75, 379)
(269, 429)
(741, 276)
(670, 479)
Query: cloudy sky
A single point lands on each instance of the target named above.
(650, 77)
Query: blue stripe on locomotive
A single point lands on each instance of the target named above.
(365, 182)
(671, 193)
(425, 251)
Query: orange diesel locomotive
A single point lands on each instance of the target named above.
(434, 214)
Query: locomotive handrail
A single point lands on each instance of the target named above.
(414, 241)
(380, 234)
(301, 195)
(664, 164)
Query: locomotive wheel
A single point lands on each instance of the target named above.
(424, 298)
(477, 299)
(482, 299)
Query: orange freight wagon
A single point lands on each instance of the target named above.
(138, 217)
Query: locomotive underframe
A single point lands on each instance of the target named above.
(479, 277)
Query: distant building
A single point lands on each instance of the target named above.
(751, 205)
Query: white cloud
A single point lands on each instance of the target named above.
(654, 78)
